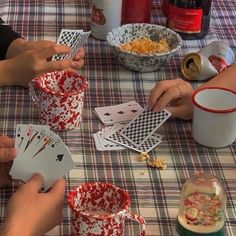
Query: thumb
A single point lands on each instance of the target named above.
(35, 183)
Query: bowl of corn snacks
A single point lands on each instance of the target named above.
(143, 47)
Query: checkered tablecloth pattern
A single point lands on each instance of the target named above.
(154, 193)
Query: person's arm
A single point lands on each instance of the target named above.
(7, 36)
(176, 95)
(226, 79)
(21, 69)
(31, 213)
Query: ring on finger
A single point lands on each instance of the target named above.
(180, 91)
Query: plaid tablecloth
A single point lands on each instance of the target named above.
(155, 194)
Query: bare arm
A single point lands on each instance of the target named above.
(226, 79)
(175, 95)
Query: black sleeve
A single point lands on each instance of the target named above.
(7, 36)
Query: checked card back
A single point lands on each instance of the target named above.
(144, 125)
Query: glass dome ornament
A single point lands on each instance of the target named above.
(202, 207)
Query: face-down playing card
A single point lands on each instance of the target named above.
(144, 125)
(76, 42)
(146, 146)
(64, 38)
(73, 39)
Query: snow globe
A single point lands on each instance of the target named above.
(202, 207)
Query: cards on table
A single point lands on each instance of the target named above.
(139, 134)
(72, 38)
(118, 113)
(101, 141)
(42, 151)
(144, 125)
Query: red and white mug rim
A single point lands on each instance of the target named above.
(84, 84)
(124, 208)
(230, 110)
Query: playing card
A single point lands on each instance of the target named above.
(144, 125)
(25, 134)
(102, 144)
(64, 38)
(77, 41)
(52, 163)
(118, 113)
(73, 39)
(42, 151)
(146, 146)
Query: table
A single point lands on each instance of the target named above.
(154, 195)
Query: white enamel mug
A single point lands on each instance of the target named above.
(214, 116)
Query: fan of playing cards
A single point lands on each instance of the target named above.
(139, 134)
(42, 151)
(72, 38)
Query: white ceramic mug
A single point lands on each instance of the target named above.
(105, 16)
(214, 116)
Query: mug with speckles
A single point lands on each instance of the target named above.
(101, 209)
(60, 98)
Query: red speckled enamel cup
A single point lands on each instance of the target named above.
(60, 99)
(101, 209)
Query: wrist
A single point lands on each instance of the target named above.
(7, 73)
(14, 229)
(16, 47)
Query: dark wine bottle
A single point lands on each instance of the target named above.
(190, 18)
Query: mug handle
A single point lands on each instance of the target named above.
(33, 94)
(132, 216)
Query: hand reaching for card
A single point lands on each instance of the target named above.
(7, 154)
(32, 213)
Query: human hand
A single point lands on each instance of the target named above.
(21, 69)
(32, 213)
(7, 154)
(174, 95)
(78, 60)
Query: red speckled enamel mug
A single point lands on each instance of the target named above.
(60, 99)
(101, 209)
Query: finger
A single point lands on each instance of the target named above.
(77, 64)
(39, 44)
(58, 189)
(54, 49)
(171, 94)
(80, 54)
(35, 183)
(6, 141)
(54, 66)
(158, 90)
(7, 154)
(183, 112)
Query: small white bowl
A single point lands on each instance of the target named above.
(142, 62)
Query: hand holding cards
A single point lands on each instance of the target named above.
(72, 38)
(42, 151)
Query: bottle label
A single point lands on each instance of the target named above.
(185, 20)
